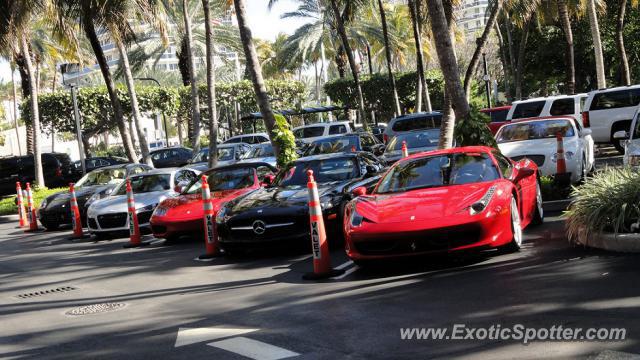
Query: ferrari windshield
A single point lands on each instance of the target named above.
(333, 145)
(102, 177)
(146, 183)
(324, 171)
(229, 179)
(417, 139)
(439, 170)
(224, 154)
(533, 130)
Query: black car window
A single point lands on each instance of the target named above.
(528, 109)
(184, 176)
(232, 141)
(312, 131)
(324, 171)
(228, 179)
(337, 129)
(102, 177)
(417, 122)
(562, 107)
(9, 166)
(615, 99)
(439, 170)
(417, 139)
(505, 165)
(499, 115)
(333, 145)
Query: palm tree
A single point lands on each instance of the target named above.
(352, 63)
(622, 53)
(255, 71)
(387, 50)
(563, 13)
(15, 19)
(449, 66)
(195, 98)
(211, 86)
(597, 43)
(496, 7)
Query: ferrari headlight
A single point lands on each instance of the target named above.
(567, 156)
(633, 160)
(147, 208)
(160, 211)
(479, 206)
(355, 219)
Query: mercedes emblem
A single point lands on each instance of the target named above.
(259, 227)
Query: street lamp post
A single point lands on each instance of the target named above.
(64, 68)
(487, 80)
(164, 119)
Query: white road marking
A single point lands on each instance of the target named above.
(347, 273)
(253, 349)
(188, 336)
(342, 266)
(205, 260)
(158, 241)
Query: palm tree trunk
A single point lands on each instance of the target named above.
(597, 43)
(211, 86)
(622, 53)
(25, 85)
(414, 8)
(255, 71)
(15, 108)
(352, 63)
(118, 116)
(563, 12)
(503, 58)
(195, 98)
(480, 43)
(512, 57)
(35, 116)
(449, 66)
(521, 51)
(128, 77)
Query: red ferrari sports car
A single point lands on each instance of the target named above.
(182, 215)
(444, 201)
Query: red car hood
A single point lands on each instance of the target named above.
(192, 204)
(421, 204)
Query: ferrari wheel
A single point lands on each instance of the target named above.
(538, 215)
(516, 229)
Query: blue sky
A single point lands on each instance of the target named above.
(264, 24)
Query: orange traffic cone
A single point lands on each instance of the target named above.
(561, 164)
(135, 238)
(209, 223)
(21, 213)
(405, 151)
(319, 244)
(76, 220)
(31, 211)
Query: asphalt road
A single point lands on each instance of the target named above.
(260, 307)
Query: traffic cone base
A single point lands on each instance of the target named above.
(211, 246)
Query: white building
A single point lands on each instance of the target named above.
(472, 15)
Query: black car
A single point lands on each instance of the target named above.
(358, 141)
(171, 157)
(96, 162)
(279, 213)
(55, 209)
(56, 168)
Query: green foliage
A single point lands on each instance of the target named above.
(8, 204)
(102, 150)
(475, 130)
(378, 95)
(283, 137)
(551, 190)
(607, 202)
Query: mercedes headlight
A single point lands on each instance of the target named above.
(327, 204)
(479, 206)
(567, 156)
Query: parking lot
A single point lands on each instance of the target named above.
(164, 304)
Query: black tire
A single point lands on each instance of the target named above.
(618, 145)
(538, 215)
(50, 226)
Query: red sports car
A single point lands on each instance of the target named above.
(444, 201)
(182, 215)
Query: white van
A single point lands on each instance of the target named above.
(561, 105)
(608, 111)
(308, 133)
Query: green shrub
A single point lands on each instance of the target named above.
(8, 204)
(551, 190)
(607, 202)
(475, 130)
(283, 137)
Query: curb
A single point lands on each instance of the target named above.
(556, 205)
(626, 243)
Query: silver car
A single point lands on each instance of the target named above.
(109, 215)
(227, 154)
(260, 153)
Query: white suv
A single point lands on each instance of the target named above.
(561, 105)
(308, 133)
(609, 111)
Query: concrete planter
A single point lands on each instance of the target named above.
(626, 243)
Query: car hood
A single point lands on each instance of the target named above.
(283, 197)
(537, 146)
(118, 203)
(421, 204)
(269, 160)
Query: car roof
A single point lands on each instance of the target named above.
(169, 148)
(630, 87)
(328, 156)
(416, 115)
(497, 108)
(323, 124)
(163, 171)
(252, 134)
(331, 137)
(239, 165)
(541, 118)
(456, 150)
